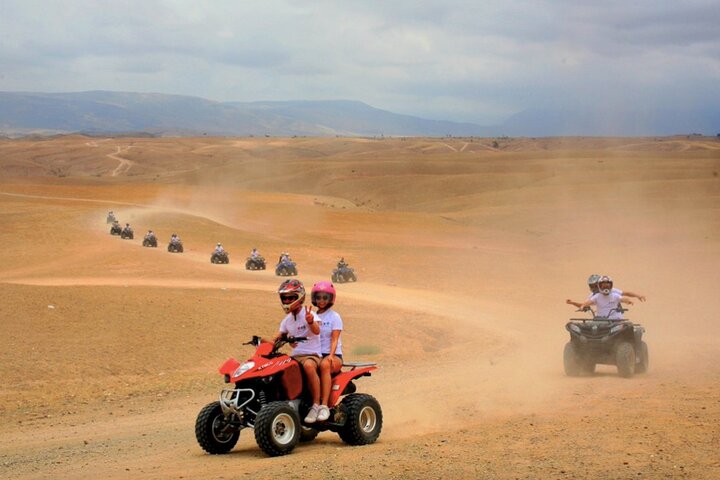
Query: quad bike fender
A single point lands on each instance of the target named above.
(229, 367)
(342, 379)
(638, 333)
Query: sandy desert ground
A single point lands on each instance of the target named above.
(465, 253)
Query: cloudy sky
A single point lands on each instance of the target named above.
(476, 61)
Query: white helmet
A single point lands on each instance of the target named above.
(605, 285)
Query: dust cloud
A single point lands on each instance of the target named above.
(465, 254)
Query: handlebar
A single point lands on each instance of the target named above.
(619, 309)
(279, 342)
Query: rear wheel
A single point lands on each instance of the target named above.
(214, 431)
(363, 419)
(643, 362)
(625, 359)
(571, 361)
(277, 428)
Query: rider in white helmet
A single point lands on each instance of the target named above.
(593, 285)
(219, 248)
(606, 300)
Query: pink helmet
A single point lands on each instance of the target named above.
(324, 287)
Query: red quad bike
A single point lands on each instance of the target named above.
(270, 397)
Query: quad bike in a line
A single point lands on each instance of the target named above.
(116, 229)
(220, 257)
(269, 395)
(255, 263)
(343, 275)
(600, 340)
(150, 241)
(127, 233)
(286, 268)
(111, 218)
(175, 247)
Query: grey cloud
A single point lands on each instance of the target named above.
(459, 59)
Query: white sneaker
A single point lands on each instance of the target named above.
(312, 414)
(323, 413)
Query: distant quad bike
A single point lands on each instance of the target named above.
(286, 268)
(127, 233)
(343, 275)
(220, 257)
(115, 229)
(255, 263)
(259, 400)
(175, 247)
(111, 218)
(605, 341)
(150, 241)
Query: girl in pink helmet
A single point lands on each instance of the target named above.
(331, 326)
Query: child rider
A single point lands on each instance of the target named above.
(331, 326)
(302, 322)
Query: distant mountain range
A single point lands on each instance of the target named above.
(102, 112)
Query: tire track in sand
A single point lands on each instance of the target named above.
(125, 164)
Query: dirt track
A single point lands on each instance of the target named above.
(465, 255)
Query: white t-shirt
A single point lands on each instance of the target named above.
(605, 303)
(329, 320)
(296, 326)
(614, 290)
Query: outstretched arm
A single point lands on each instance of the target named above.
(634, 295)
(586, 304)
(624, 299)
(570, 302)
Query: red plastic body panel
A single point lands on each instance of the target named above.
(264, 367)
(293, 381)
(229, 366)
(340, 381)
(292, 374)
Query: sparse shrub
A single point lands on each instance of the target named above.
(366, 350)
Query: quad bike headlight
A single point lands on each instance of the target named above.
(617, 328)
(243, 368)
(575, 328)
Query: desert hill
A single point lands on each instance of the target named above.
(465, 249)
(101, 113)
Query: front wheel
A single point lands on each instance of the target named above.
(277, 428)
(625, 359)
(363, 419)
(215, 432)
(571, 360)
